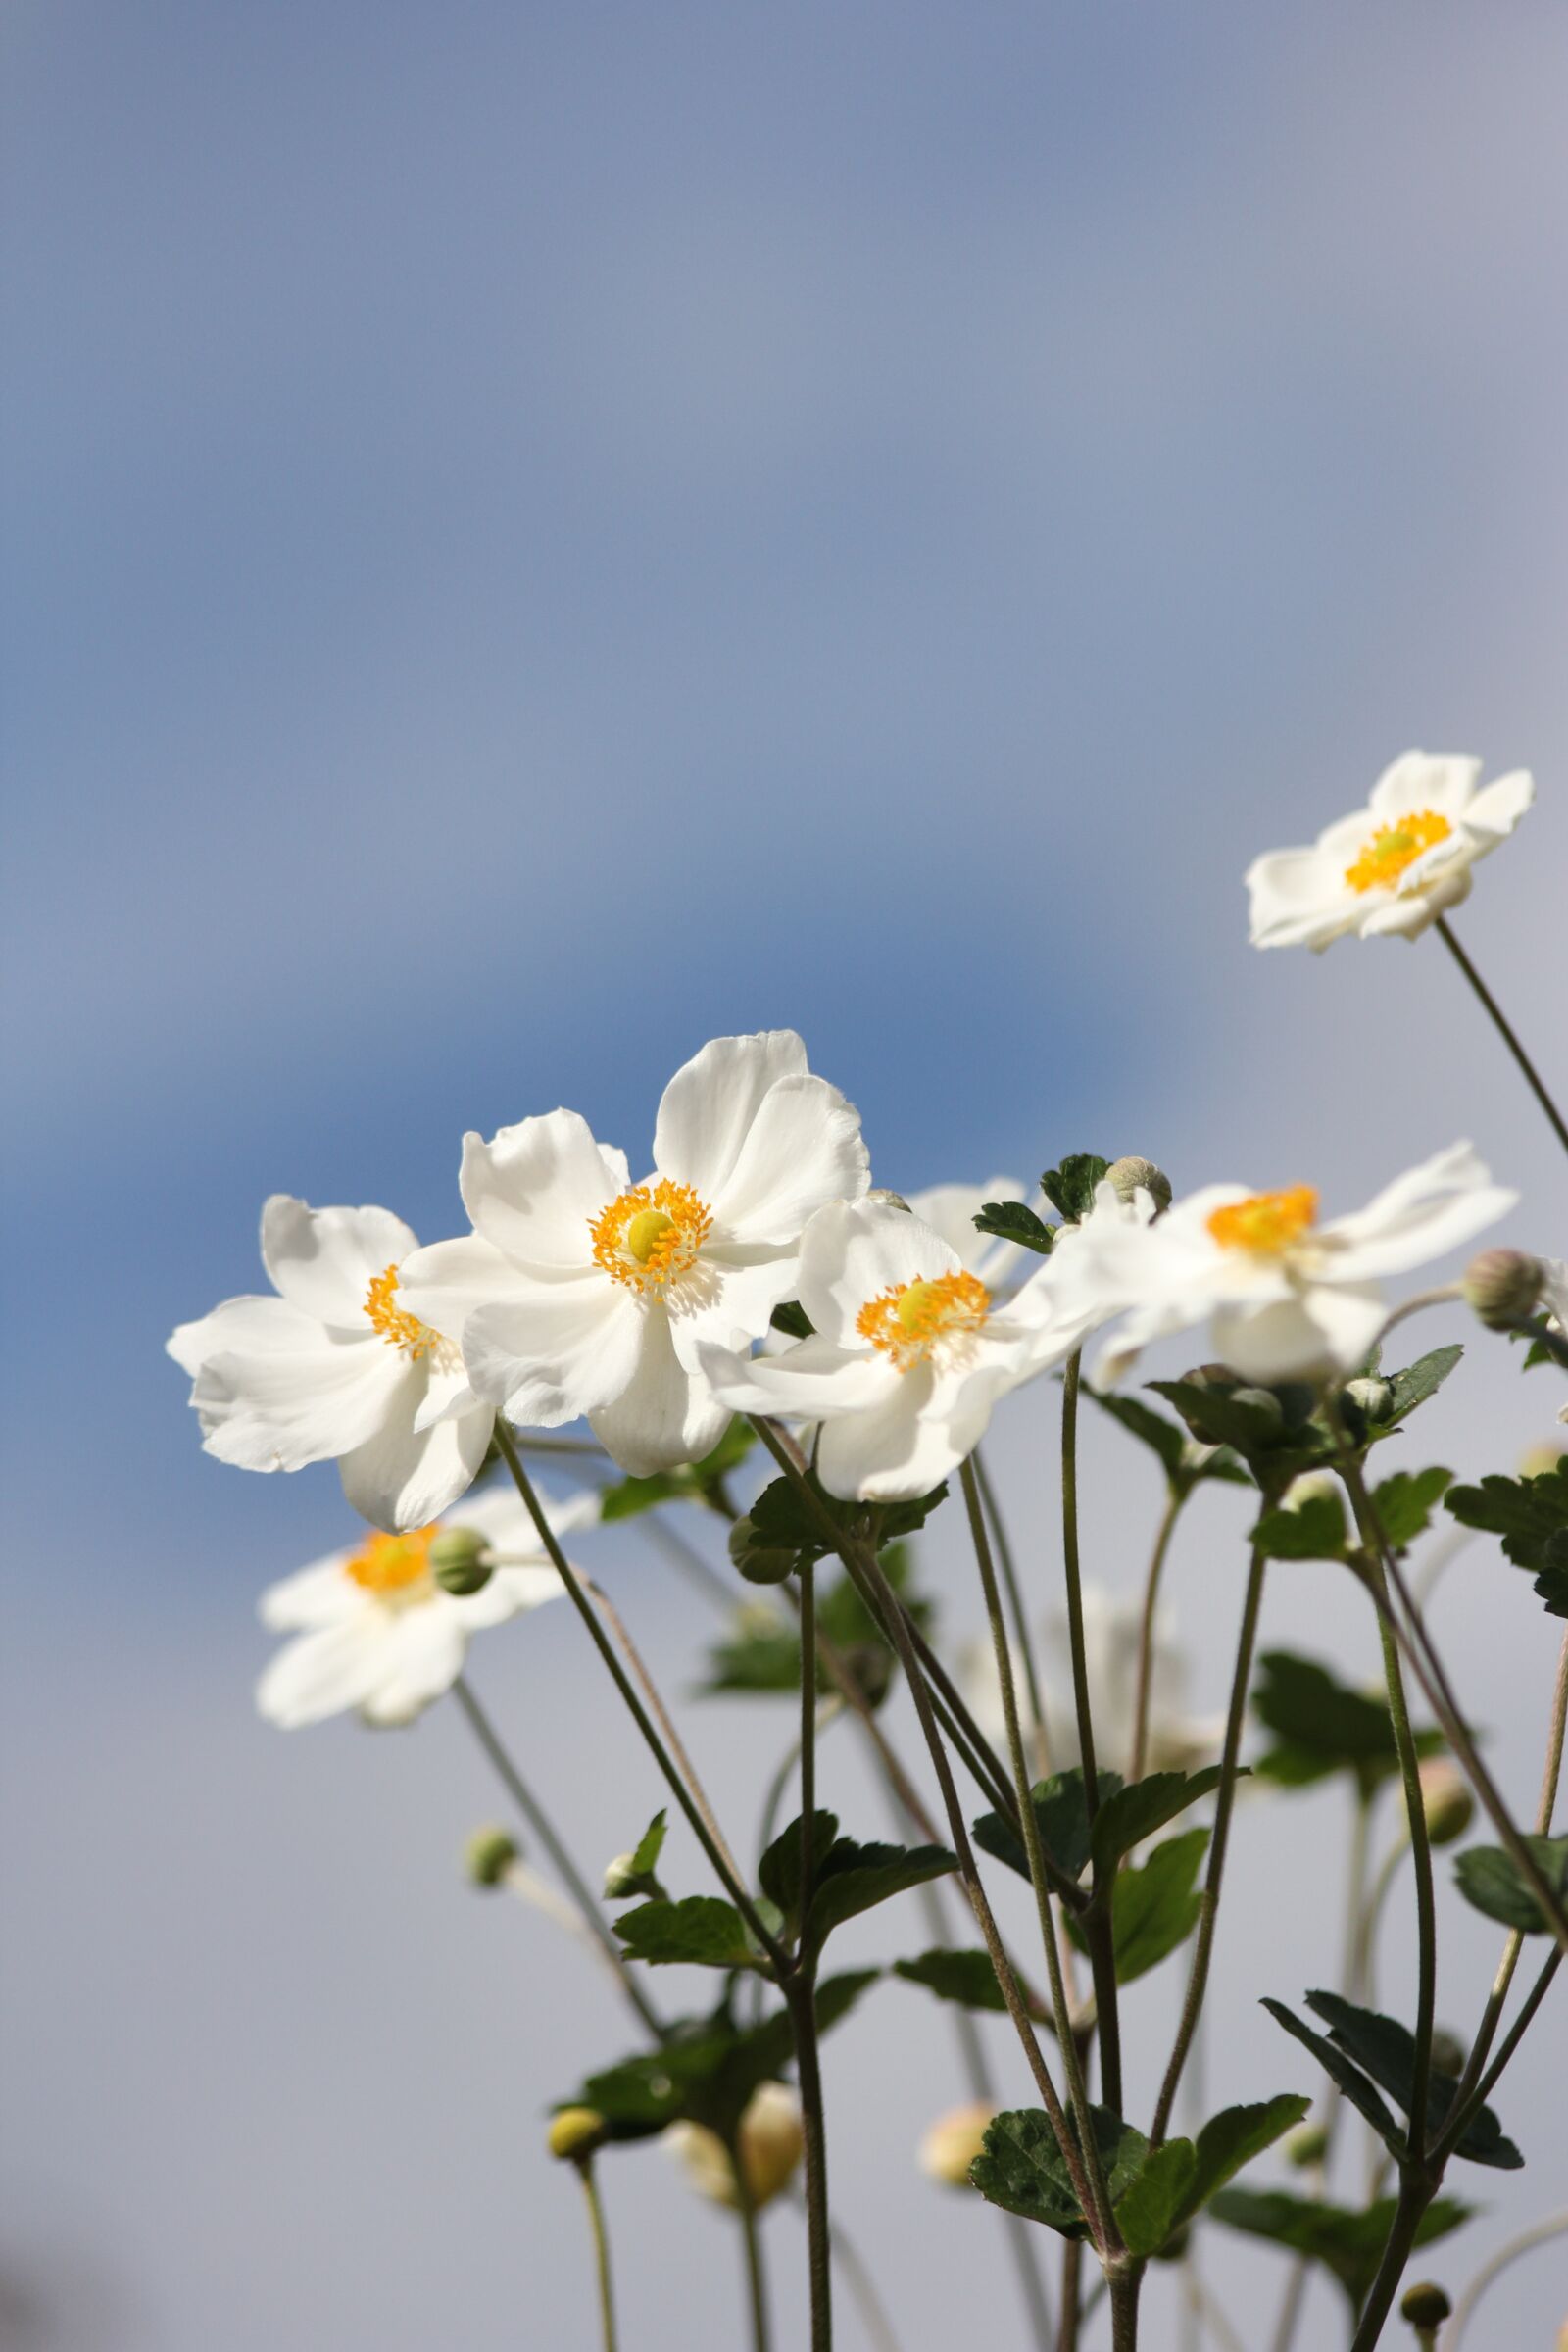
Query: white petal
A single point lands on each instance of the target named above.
(401, 1479)
(447, 1396)
(1390, 915)
(852, 1252)
(813, 1380)
(322, 1673)
(891, 1452)
(323, 1260)
(1298, 898)
(250, 1326)
(534, 1190)
(742, 1310)
(279, 1412)
(951, 1209)
(709, 1106)
(1141, 1329)
(1421, 1215)
(508, 1593)
(556, 1348)
(311, 1597)
(663, 1415)
(1438, 780)
(420, 1660)
(1326, 1329)
(1498, 807)
(803, 1149)
(449, 1281)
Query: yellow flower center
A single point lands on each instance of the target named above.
(392, 1567)
(1392, 848)
(911, 1320)
(402, 1330)
(651, 1235)
(1265, 1222)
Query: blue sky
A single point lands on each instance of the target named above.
(534, 537)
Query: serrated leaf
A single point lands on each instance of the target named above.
(778, 1873)
(1386, 2049)
(693, 1483)
(1530, 1515)
(1489, 1877)
(1347, 2243)
(1361, 2093)
(1147, 2213)
(852, 1877)
(1132, 1813)
(1063, 1819)
(1011, 1221)
(765, 2051)
(1154, 1906)
(1415, 1385)
(701, 1928)
(1404, 1503)
(1021, 2167)
(1322, 1724)
(786, 1521)
(1314, 1530)
(1231, 2138)
(965, 1978)
(650, 1845)
(1071, 1189)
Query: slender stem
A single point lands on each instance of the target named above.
(601, 2238)
(1525, 2243)
(1075, 1595)
(1426, 1911)
(1467, 2108)
(1416, 2193)
(801, 1995)
(871, 1569)
(807, 1580)
(1532, 1075)
(1016, 1611)
(1197, 1975)
(1034, 1849)
(1174, 1500)
(751, 2241)
(534, 1814)
(1072, 2285)
(714, 1851)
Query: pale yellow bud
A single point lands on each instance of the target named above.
(954, 2141)
(1539, 1461)
(771, 2145)
(1446, 1800)
(574, 2134)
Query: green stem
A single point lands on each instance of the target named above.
(1416, 2193)
(534, 1814)
(1198, 1975)
(712, 1846)
(601, 2238)
(801, 1995)
(1073, 2296)
(752, 2241)
(807, 1580)
(1175, 1497)
(1469, 2105)
(1124, 2288)
(1018, 1615)
(1075, 1597)
(1532, 1075)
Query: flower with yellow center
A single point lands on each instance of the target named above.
(1287, 1298)
(581, 1293)
(1393, 867)
(337, 1366)
(374, 1632)
(908, 1354)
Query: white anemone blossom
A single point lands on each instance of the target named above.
(951, 1209)
(1393, 867)
(337, 1367)
(375, 1631)
(908, 1352)
(1285, 1298)
(581, 1293)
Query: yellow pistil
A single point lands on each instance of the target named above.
(911, 1320)
(396, 1326)
(392, 1567)
(1266, 1223)
(651, 1234)
(1392, 848)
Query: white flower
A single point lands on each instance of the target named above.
(581, 1293)
(908, 1356)
(1396, 864)
(337, 1367)
(376, 1631)
(951, 1209)
(1288, 1298)
(1112, 1629)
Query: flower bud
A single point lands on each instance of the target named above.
(1446, 1800)
(1312, 1486)
(759, 1563)
(1128, 1176)
(954, 2141)
(1307, 2145)
(1425, 2305)
(460, 1562)
(575, 2133)
(489, 1854)
(1448, 2053)
(1501, 1286)
(1539, 1461)
(1371, 1397)
(1261, 1400)
(771, 2143)
(884, 1199)
(622, 1882)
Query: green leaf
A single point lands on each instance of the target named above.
(793, 1320)
(852, 1877)
(778, 1874)
(1071, 1189)
(1347, 2243)
(1021, 2168)
(1530, 1515)
(1231, 2138)
(1387, 2051)
(700, 1929)
(1147, 2213)
(694, 1483)
(1155, 1907)
(965, 1978)
(1415, 1385)
(1064, 1820)
(1217, 1417)
(1490, 1880)
(762, 1652)
(1131, 1814)
(1349, 2077)
(1013, 1222)
(1166, 1437)
(1404, 1503)
(765, 2051)
(650, 1845)
(1314, 1530)
(785, 1520)
(1321, 1725)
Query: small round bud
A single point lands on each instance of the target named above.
(759, 1563)
(1129, 1176)
(1501, 1286)
(1425, 2305)
(622, 1880)
(953, 2142)
(771, 2145)
(1312, 1486)
(1261, 1400)
(460, 1562)
(1446, 1800)
(884, 1199)
(488, 1856)
(1539, 1461)
(1307, 2145)
(575, 2133)
(1372, 1397)
(1448, 2053)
